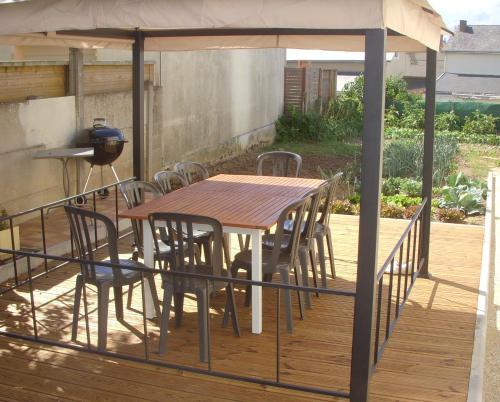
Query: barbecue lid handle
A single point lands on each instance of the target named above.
(100, 122)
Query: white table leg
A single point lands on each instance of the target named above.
(149, 261)
(257, 276)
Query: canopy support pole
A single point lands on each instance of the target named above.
(428, 162)
(371, 173)
(138, 105)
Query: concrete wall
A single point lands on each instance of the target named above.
(472, 63)
(214, 104)
(26, 128)
(210, 105)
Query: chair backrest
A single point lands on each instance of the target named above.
(82, 223)
(316, 196)
(328, 199)
(192, 171)
(169, 181)
(281, 163)
(180, 231)
(297, 209)
(135, 194)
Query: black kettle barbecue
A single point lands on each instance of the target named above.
(108, 145)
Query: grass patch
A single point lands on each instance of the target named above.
(477, 160)
(326, 147)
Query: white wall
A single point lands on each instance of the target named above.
(412, 64)
(472, 63)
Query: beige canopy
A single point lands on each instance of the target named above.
(413, 25)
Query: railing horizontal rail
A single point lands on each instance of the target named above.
(63, 200)
(241, 281)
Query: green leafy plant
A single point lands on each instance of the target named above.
(480, 124)
(296, 126)
(448, 121)
(391, 211)
(401, 185)
(450, 215)
(344, 207)
(392, 118)
(404, 158)
(413, 116)
(463, 194)
(401, 200)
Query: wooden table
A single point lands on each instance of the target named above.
(243, 204)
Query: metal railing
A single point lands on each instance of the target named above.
(41, 212)
(147, 356)
(402, 266)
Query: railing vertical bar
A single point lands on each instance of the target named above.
(116, 210)
(94, 208)
(144, 320)
(400, 268)
(209, 352)
(408, 248)
(278, 336)
(32, 298)
(13, 246)
(86, 310)
(44, 239)
(389, 300)
(420, 238)
(415, 233)
(379, 314)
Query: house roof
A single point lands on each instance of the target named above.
(468, 84)
(478, 38)
(412, 25)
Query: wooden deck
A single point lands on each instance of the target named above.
(427, 359)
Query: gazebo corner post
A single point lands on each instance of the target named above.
(138, 105)
(371, 177)
(428, 159)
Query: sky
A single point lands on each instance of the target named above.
(476, 12)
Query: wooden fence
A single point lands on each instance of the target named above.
(309, 88)
(19, 82)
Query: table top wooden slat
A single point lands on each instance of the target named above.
(244, 201)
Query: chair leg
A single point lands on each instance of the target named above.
(129, 295)
(207, 251)
(117, 290)
(203, 317)
(314, 271)
(102, 317)
(248, 292)
(298, 282)
(179, 307)
(168, 292)
(321, 254)
(305, 275)
(329, 244)
(225, 247)
(231, 309)
(154, 294)
(244, 243)
(288, 300)
(312, 253)
(76, 307)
